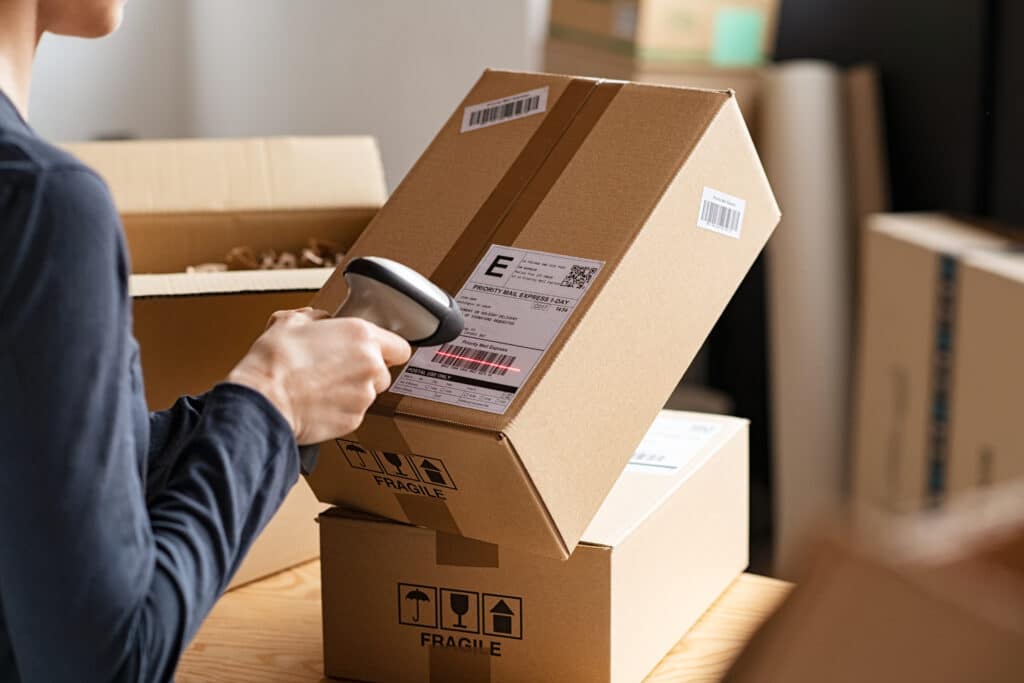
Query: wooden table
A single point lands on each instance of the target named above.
(270, 631)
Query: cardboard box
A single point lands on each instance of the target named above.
(581, 59)
(671, 536)
(185, 202)
(909, 339)
(986, 440)
(737, 32)
(941, 600)
(598, 226)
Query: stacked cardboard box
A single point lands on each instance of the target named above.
(416, 604)
(592, 233)
(188, 202)
(937, 362)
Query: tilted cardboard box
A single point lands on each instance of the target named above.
(909, 340)
(403, 603)
(186, 202)
(985, 437)
(593, 232)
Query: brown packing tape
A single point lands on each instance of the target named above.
(459, 551)
(459, 665)
(499, 220)
(428, 512)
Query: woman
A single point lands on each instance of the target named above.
(120, 528)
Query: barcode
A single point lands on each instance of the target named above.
(579, 277)
(720, 216)
(508, 108)
(504, 111)
(721, 213)
(474, 360)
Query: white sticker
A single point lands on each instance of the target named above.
(721, 213)
(514, 304)
(671, 445)
(506, 109)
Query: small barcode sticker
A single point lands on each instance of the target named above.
(474, 360)
(721, 213)
(506, 109)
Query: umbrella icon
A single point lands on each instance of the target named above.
(352, 448)
(419, 597)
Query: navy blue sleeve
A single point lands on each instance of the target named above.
(98, 581)
(169, 430)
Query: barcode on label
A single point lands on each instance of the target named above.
(721, 213)
(480, 362)
(506, 109)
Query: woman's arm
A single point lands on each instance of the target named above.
(96, 583)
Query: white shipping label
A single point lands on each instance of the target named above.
(671, 445)
(514, 303)
(721, 213)
(506, 109)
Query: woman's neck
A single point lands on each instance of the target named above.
(19, 36)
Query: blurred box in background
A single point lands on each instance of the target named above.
(931, 338)
(722, 32)
(404, 603)
(579, 59)
(987, 407)
(188, 202)
(938, 598)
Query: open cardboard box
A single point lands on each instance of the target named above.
(592, 232)
(187, 202)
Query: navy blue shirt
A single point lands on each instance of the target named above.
(119, 528)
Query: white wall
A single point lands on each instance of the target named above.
(204, 68)
(135, 82)
(392, 68)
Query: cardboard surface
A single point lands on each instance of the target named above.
(184, 202)
(670, 30)
(986, 440)
(663, 546)
(608, 172)
(909, 342)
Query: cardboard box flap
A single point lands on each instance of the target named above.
(1009, 264)
(188, 202)
(237, 175)
(144, 286)
(675, 448)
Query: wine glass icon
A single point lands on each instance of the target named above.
(460, 605)
(396, 461)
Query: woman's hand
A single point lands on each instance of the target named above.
(322, 373)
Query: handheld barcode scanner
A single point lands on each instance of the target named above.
(397, 298)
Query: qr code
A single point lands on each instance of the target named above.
(579, 276)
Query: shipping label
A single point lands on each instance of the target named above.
(515, 303)
(672, 445)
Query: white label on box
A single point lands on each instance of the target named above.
(671, 445)
(506, 109)
(721, 213)
(514, 303)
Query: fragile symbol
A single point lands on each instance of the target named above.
(503, 616)
(417, 605)
(359, 457)
(460, 610)
(433, 470)
(418, 596)
(397, 465)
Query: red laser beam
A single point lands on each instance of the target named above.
(479, 362)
